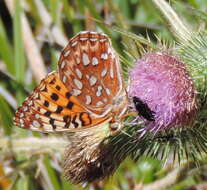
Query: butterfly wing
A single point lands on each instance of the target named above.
(91, 71)
(51, 107)
(83, 91)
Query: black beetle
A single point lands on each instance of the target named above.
(143, 109)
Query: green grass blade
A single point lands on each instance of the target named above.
(19, 58)
(6, 49)
(18, 43)
(51, 174)
(66, 185)
(54, 10)
(95, 14)
(23, 183)
(68, 10)
(6, 116)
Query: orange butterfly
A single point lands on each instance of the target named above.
(87, 90)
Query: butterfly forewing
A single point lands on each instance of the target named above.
(51, 107)
(90, 69)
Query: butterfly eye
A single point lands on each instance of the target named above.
(143, 109)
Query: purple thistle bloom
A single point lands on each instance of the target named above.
(163, 84)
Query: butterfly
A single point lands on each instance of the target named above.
(86, 90)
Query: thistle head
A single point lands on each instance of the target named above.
(165, 90)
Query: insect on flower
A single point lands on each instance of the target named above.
(143, 109)
(87, 89)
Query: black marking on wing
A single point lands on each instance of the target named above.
(59, 109)
(54, 96)
(67, 120)
(85, 119)
(70, 105)
(52, 121)
(75, 124)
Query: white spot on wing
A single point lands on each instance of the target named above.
(94, 61)
(78, 83)
(100, 87)
(99, 91)
(30, 103)
(35, 123)
(84, 32)
(108, 91)
(25, 108)
(111, 71)
(74, 43)
(99, 103)
(78, 72)
(92, 80)
(93, 33)
(83, 38)
(103, 40)
(77, 60)
(21, 115)
(104, 56)
(76, 92)
(62, 65)
(93, 39)
(104, 71)
(66, 53)
(21, 121)
(85, 58)
(37, 116)
(35, 96)
(64, 79)
(88, 99)
(59, 123)
(42, 111)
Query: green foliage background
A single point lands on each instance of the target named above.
(53, 22)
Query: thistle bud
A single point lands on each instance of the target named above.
(88, 158)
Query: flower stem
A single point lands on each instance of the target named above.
(33, 144)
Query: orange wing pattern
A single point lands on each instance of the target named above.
(87, 89)
(91, 68)
(51, 107)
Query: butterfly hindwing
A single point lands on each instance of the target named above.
(91, 69)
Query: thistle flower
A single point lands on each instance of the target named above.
(163, 84)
